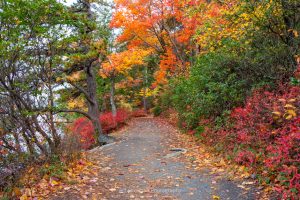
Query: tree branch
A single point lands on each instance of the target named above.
(82, 91)
(73, 111)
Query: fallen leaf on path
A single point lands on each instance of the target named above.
(112, 189)
(215, 197)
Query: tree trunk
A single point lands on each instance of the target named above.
(28, 144)
(112, 97)
(51, 118)
(145, 102)
(93, 108)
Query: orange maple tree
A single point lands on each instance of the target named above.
(159, 25)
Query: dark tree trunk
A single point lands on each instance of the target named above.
(93, 107)
(28, 143)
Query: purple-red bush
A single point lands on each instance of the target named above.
(265, 135)
(84, 127)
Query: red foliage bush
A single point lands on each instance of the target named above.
(109, 123)
(84, 127)
(265, 135)
(139, 113)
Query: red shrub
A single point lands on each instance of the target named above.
(245, 157)
(265, 134)
(139, 113)
(270, 124)
(109, 123)
(84, 127)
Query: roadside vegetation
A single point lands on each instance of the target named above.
(226, 72)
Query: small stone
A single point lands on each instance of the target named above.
(253, 176)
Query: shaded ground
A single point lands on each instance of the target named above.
(136, 167)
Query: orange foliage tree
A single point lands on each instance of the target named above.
(119, 64)
(159, 25)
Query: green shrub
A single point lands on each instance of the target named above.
(221, 80)
(157, 111)
(212, 88)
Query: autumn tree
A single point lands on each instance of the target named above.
(120, 64)
(160, 26)
(87, 51)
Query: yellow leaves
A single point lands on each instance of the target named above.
(71, 104)
(218, 27)
(289, 107)
(58, 79)
(241, 168)
(288, 117)
(288, 111)
(77, 172)
(74, 76)
(24, 197)
(245, 16)
(289, 114)
(27, 194)
(148, 92)
(123, 61)
(54, 183)
(215, 197)
(17, 192)
(295, 33)
(76, 103)
(99, 45)
(30, 170)
(276, 115)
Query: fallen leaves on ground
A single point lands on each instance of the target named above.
(79, 172)
(203, 157)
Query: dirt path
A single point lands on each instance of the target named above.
(136, 167)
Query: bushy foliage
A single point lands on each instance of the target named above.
(84, 127)
(222, 79)
(157, 110)
(213, 87)
(265, 135)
